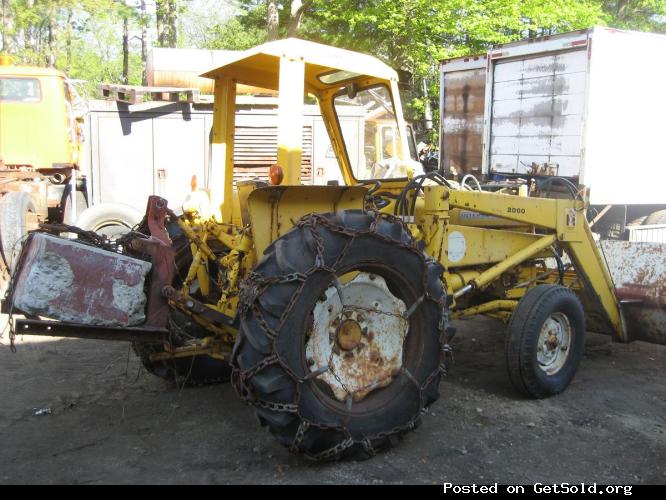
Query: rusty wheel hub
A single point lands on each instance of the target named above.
(553, 344)
(349, 334)
(356, 342)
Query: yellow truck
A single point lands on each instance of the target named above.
(40, 140)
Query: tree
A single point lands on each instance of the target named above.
(7, 25)
(166, 12)
(272, 20)
(642, 15)
(108, 40)
(234, 35)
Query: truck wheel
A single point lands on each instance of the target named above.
(15, 212)
(658, 217)
(109, 219)
(341, 341)
(191, 371)
(545, 341)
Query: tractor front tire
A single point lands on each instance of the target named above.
(545, 341)
(320, 390)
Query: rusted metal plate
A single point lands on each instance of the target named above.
(462, 120)
(357, 337)
(639, 274)
(69, 281)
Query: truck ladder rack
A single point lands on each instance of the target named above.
(133, 94)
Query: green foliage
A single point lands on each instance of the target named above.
(639, 15)
(415, 34)
(235, 35)
(84, 37)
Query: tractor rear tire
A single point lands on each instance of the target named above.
(545, 341)
(272, 370)
(14, 210)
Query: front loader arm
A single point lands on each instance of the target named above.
(558, 221)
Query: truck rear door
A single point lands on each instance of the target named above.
(538, 104)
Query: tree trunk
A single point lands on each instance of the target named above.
(29, 39)
(125, 77)
(272, 20)
(295, 17)
(53, 26)
(6, 25)
(144, 44)
(622, 7)
(68, 68)
(297, 10)
(167, 17)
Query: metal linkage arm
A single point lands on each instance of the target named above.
(563, 219)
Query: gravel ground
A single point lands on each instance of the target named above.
(105, 420)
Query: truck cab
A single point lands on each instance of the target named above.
(38, 128)
(40, 139)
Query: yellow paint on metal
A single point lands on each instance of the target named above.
(455, 279)
(258, 66)
(485, 308)
(275, 210)
(222, 147)
(294, 67)
(562, 219)
(528, 252)
(349, 334)
(38, 130)
(485, 246)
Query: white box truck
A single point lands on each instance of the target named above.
(589, 106)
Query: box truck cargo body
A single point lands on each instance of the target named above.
(588, 105)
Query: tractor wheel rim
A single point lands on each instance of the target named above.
(554, 344)
(357, 338)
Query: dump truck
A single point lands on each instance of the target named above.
(586, 106)
(330, 308)
(40, 142)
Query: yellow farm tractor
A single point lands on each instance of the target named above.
(329, 307)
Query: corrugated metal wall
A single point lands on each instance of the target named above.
(255, 150)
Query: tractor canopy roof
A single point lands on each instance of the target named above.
(326, 67)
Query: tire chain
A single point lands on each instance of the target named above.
(255, 285)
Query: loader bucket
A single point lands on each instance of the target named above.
(639, 274)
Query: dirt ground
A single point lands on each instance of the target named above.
(105, 420)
